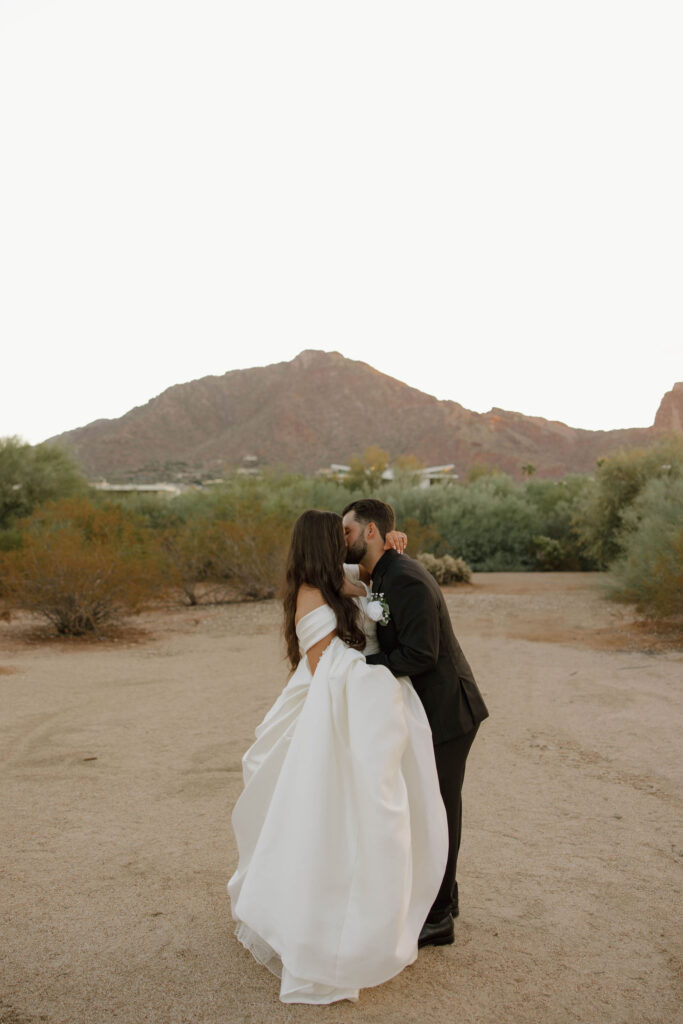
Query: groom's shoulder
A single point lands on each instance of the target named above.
(407, 568)
(411, 576)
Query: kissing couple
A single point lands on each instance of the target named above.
(348, 826)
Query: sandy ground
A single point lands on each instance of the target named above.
(121, 764)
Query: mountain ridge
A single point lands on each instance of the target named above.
(321, 408)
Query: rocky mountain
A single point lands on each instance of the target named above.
(322, 408)
(670, 413)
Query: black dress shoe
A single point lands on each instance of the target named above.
(438, 934)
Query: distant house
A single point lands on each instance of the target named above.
(337, 470)
(172, 490)
(437, 475)
(427, 477)
(250, 466)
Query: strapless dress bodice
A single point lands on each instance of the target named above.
(322, 621)
(313, 626)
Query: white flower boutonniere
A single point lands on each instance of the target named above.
(378, 609)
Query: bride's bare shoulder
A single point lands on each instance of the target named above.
(307, 600)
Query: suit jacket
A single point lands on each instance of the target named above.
(418, 641)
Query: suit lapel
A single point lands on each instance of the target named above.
(380, 571)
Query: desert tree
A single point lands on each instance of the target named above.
(32, 474)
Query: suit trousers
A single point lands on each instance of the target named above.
(451, 757)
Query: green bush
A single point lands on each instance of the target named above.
(230, 539)
(31, 475)
(619, 480)
(549, 553)
(649, 572)
(489, 522)
(494, 520)
(558, 503)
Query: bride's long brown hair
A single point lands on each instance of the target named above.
(316, 557)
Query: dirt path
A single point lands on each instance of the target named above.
(120, 763)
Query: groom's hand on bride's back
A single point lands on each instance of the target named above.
(397, 540)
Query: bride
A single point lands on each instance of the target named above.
(340, 828)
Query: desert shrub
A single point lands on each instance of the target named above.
(215, 560)
(497, 523)
(619, 480)
(446, 570)
(649, 572)
(275, 495)
(548, 553)
(490, 523)
(456, 570)
(477, 470)
(196, 560)
(10, 538)
(81, 567)
(30, 475)
(257, 553)
(432, 565)
(494, 522)
(156, 511)
(422, 538)
(558, 503)
(229, 542)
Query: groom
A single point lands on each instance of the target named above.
(418, 641)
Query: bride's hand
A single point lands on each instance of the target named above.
(396, 540)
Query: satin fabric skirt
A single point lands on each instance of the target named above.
(340, 828)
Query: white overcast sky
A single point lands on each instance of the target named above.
(482, 199)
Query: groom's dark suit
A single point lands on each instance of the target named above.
(418, 641)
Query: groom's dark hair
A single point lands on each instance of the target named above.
(371, 510)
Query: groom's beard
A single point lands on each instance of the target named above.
(355, 553)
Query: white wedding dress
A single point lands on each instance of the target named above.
(340, 828)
